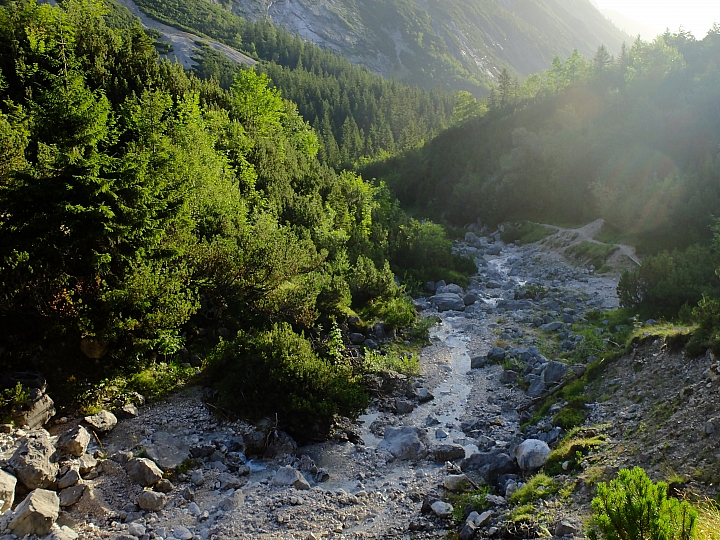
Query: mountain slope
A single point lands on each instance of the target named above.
(462, 44)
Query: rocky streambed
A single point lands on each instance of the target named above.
(388, 476)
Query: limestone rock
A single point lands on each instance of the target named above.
(448, 302)
(442, 509)
(87, 464)
(143, 471)
(167, 450)
(152, 501)
(553, 372)
(62, 533)
(71, 495)
(70, 478)
(531, 454)
(287, 476)
(7, 490)
(75, 441)
(102, 422)
(34, 460)
(456, 482)
(406, 442)
(36, 414)
(36, 514)
(233, 501)
(447, 452)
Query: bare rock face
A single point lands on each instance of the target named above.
(34, 460)
(36, 514)
(143, 471)
(102, 422)
(7, 490)
(75, 441)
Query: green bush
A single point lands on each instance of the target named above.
(526, 232)
(397, 312)
(367, 282)
(277, 372)
(633, 507)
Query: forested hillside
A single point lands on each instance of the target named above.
(355, 112)
(140, 204)
(633, 139)
(458, 44)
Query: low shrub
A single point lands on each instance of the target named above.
(576, 444)
(277, 372)
(539, 486)
(465, 503)
(376, 362)
(633, 507)
(396, 312)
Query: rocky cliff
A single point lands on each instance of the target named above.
(463, 44)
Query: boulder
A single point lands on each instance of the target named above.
(449, 288)
(70, 478)
(470, 298)
(478, 362)
(287, 476)
(553, 372)
(508, 377)
(405, 442)
(456, 482)
(371, 344)
(356, 338)
(36, 414)
(152, 501)
(496, 354)
(75, 441)
(102, 422)
(62, 533)
(424, 395)
(87, 464)
(537, 386)
(447, 452)
(551, 326)
(36, 514)
(531, 454)
(168, 451)
(442, 509)
(7, 490)
(489, 465)
(430, 287)
(403, 406)
(71, 495)
(164, 486)
(567, 527)
(231, 502)
(448, 302)
(34, 461)
(143, 471)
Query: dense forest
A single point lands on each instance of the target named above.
(143, 210)
(355, 112)
(633, 139)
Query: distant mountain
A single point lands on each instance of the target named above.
(460, 44)
(631, 26)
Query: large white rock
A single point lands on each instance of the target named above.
(36, 514)
(102, 422)
(152, 501)
(143, 471)
(288, 476)
(448, 302)
(34, 460)
(7, 490)
(74, 441)
(531, 454)
(406, 442)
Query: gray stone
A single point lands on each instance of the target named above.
(448, 302)
(136, 529)
(197, 478)
(567, 318)
(403, 406)
(468, 531)
(551, 327)
(36, 514)
(447, 452)
(36, 414)
(33, 461)
(168, 451)
(231, 502)
(449, 288)
(152, 501)
(371, 344)
(75, 441)
(356, 338)
(128, 411)
(181, 533)
(102, 422)
(470, 298)
(489, 464)
(7, 490)
(567, 527)
(508, 377)
(164, 486)
(441, 434)
(456, 482)
(405, 442)
(553, 372)
(287, 476)
(70, 478)
(442, 509)
(71, 495)
(531, 454)
(424, 395)
(87, 464)
(496, 354)
(537, 386)
(430, 287)
(492, 284)
(61, 533)
(230, 481)
(478, 362)
(143, 471)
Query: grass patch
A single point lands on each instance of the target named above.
(577, 444)
(420, 330)
(539, 486)
(464, 503)
(526, 232)
(591, 252)
(392, 360)
(523, 513)
(708, 523)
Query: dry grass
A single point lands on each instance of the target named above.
(708, 523)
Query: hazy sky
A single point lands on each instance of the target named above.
(694, 15)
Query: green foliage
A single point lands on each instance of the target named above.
(576, 444)
(668, 281)
(539, 486)
(11, 399)
(368, 282)
(396, 312)
(634, 507)
(594, 253)
(464, 503)
(573, 414)
(277, 372)
(525, 232)
(378, 362)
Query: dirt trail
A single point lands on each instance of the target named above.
(587, 233)
(185, 44)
